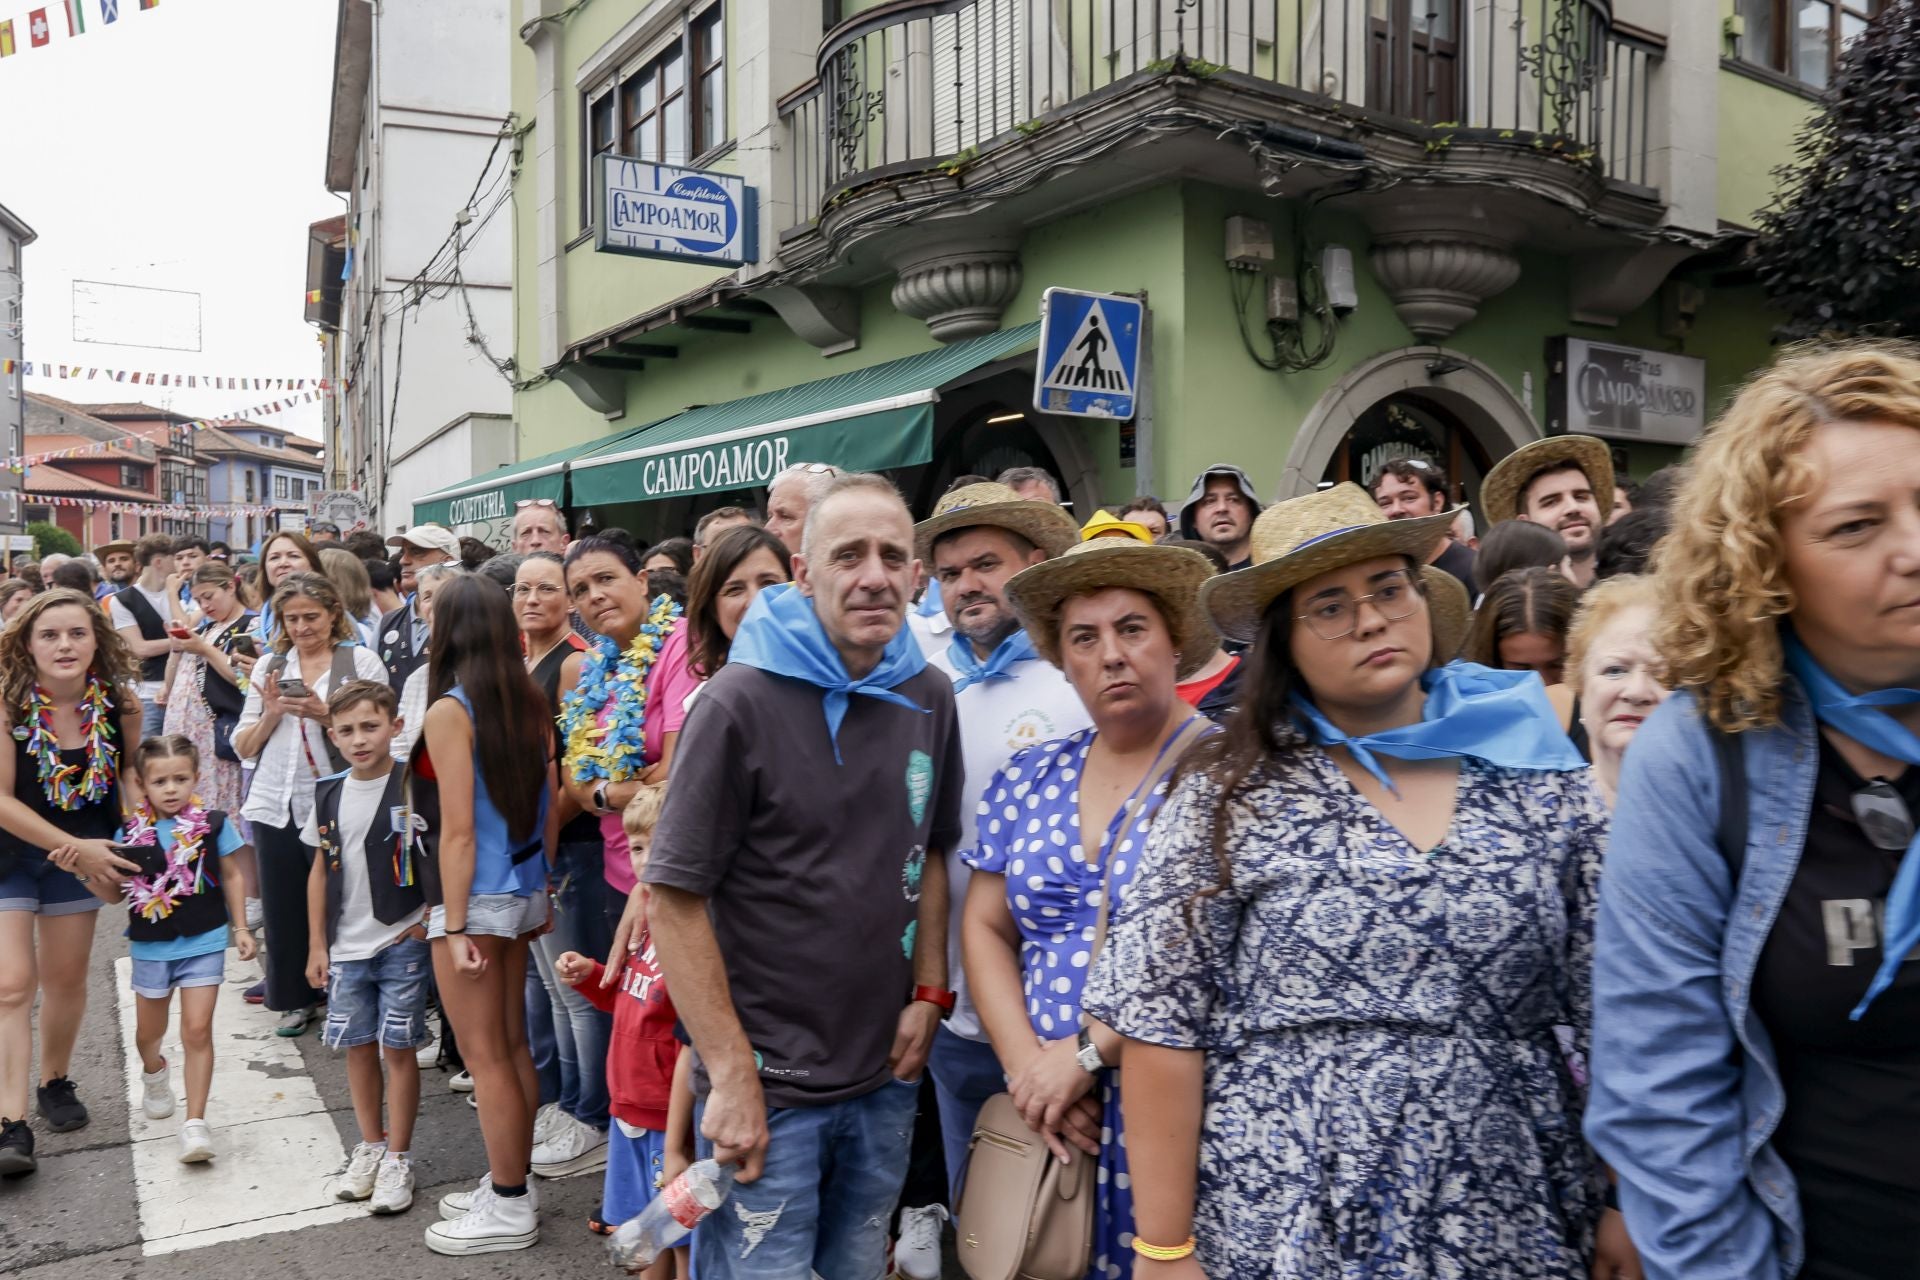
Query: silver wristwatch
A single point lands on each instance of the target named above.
(1088, 1054)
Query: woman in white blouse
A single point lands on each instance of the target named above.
(283, 732)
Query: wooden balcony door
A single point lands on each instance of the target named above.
(1413, 58)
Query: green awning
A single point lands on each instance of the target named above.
(490, 498)
(867, 420)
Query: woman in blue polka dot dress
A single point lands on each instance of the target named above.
(1060, 829)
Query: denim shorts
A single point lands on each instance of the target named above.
(383, 997)
(496, 915)
(158, 979)
(636, 1167)
(34, 884)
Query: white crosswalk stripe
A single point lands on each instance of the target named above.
(278, 1148)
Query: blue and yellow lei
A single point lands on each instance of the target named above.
(612, 750)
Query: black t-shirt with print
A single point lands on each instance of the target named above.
(812, 867)
(1852, 1125)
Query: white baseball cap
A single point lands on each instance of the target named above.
(429, 537)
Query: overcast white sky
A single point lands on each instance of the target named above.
(181, 147)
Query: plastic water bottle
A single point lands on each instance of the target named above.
(672, 1215)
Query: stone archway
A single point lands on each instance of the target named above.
(1465, 386)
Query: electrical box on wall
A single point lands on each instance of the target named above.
(1336, 276)
(1249, 244)
(1283, 300)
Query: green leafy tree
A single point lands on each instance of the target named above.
(49, 538)
(1840, 251)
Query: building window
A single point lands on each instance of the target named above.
(249, 475)
(279, 486)
(131, 477)
(670, 109)
(113, 527)
(1802, 38)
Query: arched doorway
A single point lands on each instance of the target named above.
(1427, 401)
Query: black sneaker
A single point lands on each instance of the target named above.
(63, 1112)
(16, 1148)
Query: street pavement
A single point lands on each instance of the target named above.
(111, 1200)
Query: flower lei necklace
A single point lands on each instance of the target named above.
(155, 897)
(69, 786)
(612, 750)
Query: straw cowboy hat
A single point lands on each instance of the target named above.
(1044, 524)
(1106, 525)
(1500, 492)
(1171, 575)
(1303, 538)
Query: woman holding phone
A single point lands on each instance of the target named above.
(283, 730)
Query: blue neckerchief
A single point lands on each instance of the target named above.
(1862, 718)
(930, 605)
(998, 665)
(782, 635)
(1501, 717)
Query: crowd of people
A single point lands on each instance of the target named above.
(1321, 889)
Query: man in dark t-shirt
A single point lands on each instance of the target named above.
(1409, 487)
(799, 896)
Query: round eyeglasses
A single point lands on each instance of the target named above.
(1335, 615)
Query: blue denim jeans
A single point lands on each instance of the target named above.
(581, 1032)
(823, 1203)
(965, 1074)
(540, 1039)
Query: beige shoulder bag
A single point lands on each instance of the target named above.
(1023, 1214)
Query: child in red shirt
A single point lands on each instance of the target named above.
(643, 1053)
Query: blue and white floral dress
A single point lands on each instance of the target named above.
(1029, 832)
(1385, 1091)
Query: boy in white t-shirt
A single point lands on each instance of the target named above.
(367, 920)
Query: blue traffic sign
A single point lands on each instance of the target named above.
(1089, 354)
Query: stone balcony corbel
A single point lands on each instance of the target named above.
(1438, 261)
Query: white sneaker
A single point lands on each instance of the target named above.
(393, 1186)
(461, 1082)
(571, 1147)
(455, 1204)
(156, 1092)
(493, 1224)
(196, 1142)
(357, 1182)
(430, 1055)
(916, 1255)
(543, 1122)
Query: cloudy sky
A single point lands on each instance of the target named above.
(179, 148)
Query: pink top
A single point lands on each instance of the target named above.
(669, 681)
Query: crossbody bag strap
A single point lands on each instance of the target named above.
(1170, 755)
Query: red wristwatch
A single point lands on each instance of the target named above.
(943, 1000)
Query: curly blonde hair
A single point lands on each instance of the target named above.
(1722, 568)
(113, 661)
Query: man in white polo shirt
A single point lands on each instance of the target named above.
(1007, 698)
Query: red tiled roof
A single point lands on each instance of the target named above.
(52, 480)
(133, 409)
(215, 443)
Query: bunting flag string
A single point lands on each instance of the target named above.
(168, 511)
(141, 377)
(39, 29)
(18, 465)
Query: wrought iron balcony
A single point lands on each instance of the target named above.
(917, 84)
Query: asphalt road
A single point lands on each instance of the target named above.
(80, 1217)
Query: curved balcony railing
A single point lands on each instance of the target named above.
(915, 83)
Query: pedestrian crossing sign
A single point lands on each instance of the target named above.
(1089, 354)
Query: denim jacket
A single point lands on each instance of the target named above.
(1686, 1085)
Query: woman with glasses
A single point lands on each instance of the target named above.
(1757, 1047)
(1360, 923)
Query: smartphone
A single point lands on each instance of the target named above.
(147, 857)
(178, 632)
(293, 687)
(245, 646)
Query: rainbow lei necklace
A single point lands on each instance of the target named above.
(70, 786)
(155, 897)
(612, 750)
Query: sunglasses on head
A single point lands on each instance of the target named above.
(524, 503)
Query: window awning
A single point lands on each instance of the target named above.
(867, 420)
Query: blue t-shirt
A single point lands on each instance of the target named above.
(199, 944)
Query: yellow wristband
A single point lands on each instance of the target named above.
(1163, 1253)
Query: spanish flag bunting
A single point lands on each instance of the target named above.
(6, 42)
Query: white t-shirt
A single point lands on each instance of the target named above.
(122, 618)
(361, 936)
(997, 718)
